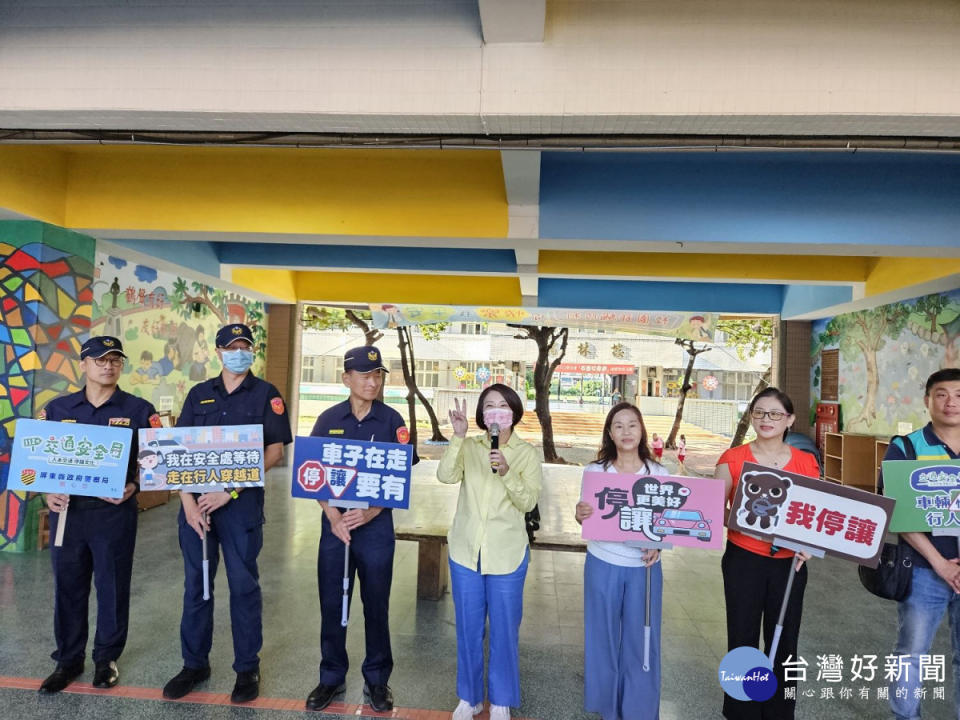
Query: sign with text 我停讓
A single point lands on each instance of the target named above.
(69, 458)
(777, 505)
(679, 510)
(927, 494)
(356, 471)
(201, 459)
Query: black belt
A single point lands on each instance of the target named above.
(84, 502)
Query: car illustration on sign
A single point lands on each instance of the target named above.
(166, 447)
(683, 522)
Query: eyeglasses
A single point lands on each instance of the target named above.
(774, 415)
(103, 361)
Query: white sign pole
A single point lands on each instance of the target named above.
(206, 559)
(797, 549)
(344, 608)
(61, 527)
(647, 630)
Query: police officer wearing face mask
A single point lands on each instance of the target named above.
(100, 533)
(233, 520)
(370, 536)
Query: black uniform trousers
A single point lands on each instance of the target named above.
(237, 530)
(98, 542)
(753, 586)
(371, 559)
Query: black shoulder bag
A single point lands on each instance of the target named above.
(890, 580)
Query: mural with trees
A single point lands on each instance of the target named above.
(168, 324)
(886, 355)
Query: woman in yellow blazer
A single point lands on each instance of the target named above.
(500, 480)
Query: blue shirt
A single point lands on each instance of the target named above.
(121, 410)
(252, 402)
(925, 444)
(382, 423)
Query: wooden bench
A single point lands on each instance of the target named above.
(433, 571)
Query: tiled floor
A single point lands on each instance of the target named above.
(839, 617)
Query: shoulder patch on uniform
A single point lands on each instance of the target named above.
(277, 405)
(403, 435)
(208, 400)
(42, 415)
(155, 421)
(335, 431)
(121, 422)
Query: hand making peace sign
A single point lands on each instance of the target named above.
(458, 418)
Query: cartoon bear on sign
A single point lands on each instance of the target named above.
(763, 494)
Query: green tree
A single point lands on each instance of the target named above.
(546, 339)
(930, 306)
(186, 304)
(749, 337)
(863, 334)
(408, 363)
(692, 351)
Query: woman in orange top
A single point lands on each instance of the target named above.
(754, 572)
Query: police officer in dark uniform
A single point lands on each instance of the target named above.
(370, 535)
(233, 520)
(100, 533)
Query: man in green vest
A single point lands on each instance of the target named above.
(935, 584)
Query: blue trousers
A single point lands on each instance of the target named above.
(371, 560)
(98, 542)
(614, 601)
(919, 615)
(237, 530)
(475, 597)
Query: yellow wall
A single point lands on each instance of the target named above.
(894, 273)
(279, 190)
(280, 284)
(33, 182)
(403, 288)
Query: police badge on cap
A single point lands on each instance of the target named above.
(363, 359)
(231, 333)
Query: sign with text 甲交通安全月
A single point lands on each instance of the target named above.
(69, 458)
(783, 506)
(354, 471)
(678, 510)
(201, 459)
(927, 494)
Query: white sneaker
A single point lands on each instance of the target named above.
(499, 712)
(465, 711)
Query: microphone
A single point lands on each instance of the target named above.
(494, 441)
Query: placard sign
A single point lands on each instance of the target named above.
(69, 458)
(679, 510)
(201, 459)
(927, 494)
(842, 521)
(377, 473)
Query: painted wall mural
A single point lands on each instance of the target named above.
(167, 324)
(45, 313)
(886, 355)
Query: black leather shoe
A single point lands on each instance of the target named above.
(106, 675)
(184, 682)
(61, 677)
(323, 695)
(379, 696)
(246, 688)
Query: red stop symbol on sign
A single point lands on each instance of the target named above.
(310, 476)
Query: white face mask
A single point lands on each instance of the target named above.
(498, 416)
